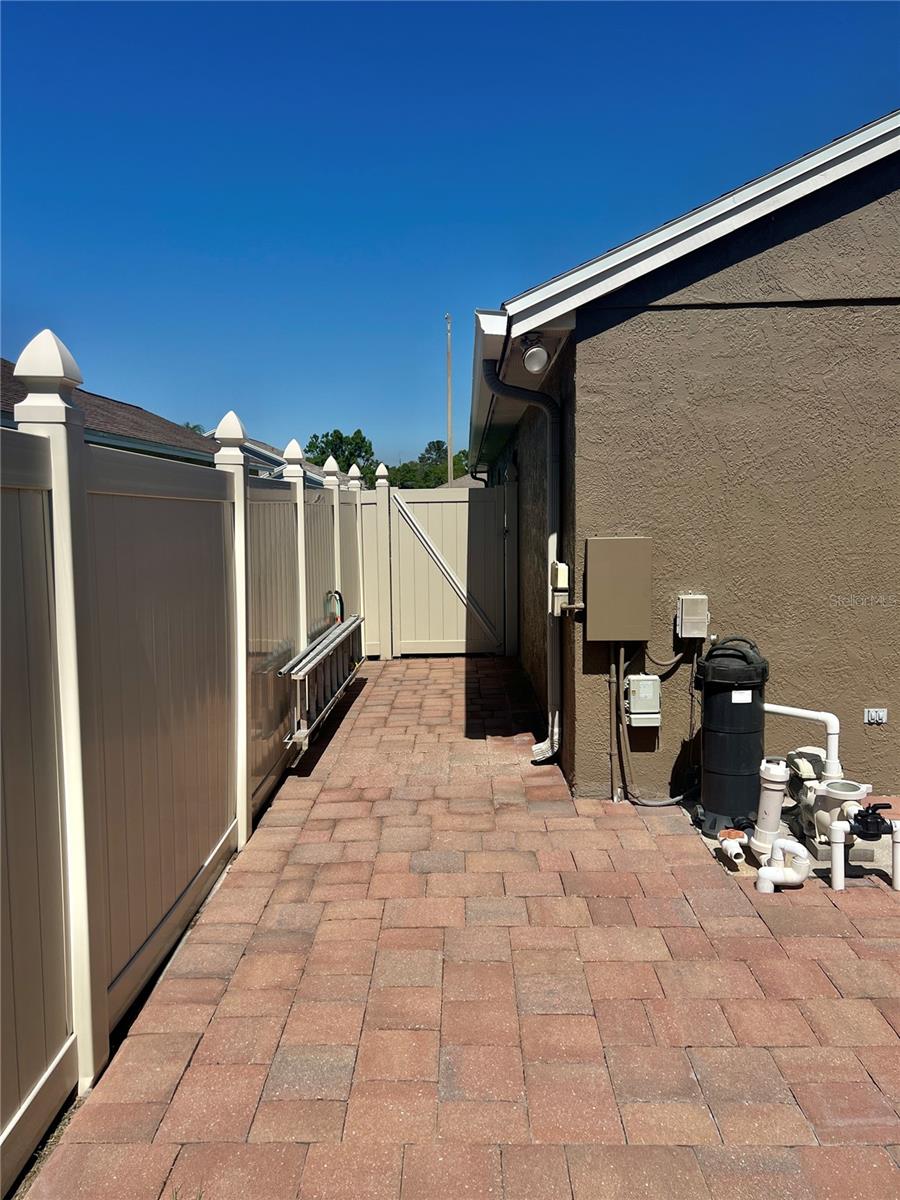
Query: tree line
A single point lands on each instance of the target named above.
(429, 470)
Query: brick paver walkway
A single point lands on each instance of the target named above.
(432, 976)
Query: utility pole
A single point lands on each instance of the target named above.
(449, 321)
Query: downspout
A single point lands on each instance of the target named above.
(545, 750)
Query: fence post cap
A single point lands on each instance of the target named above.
(355, 477)
(293, 461)
(330, 466)
(49, 371)
(47, 360)
(230, 431)
(231, 435)
(354, 471)
(381, 475)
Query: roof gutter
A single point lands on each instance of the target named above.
(545, 750)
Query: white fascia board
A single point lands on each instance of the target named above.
(490, 338)
(698, 228)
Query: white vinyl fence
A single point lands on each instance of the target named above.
(169, 641)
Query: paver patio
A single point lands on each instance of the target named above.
(432, 975)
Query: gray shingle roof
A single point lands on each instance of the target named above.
(115, 418)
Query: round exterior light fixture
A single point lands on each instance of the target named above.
(535, 359)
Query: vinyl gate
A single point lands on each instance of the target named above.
(440, 570)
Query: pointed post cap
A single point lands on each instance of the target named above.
(354, 471)
(381, 475)
(47, 364)
(230, 431)
(293, 452)
(331, 470)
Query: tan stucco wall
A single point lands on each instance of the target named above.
(529, 453)
(758, 447)
(531, 466)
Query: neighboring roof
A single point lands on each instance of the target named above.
(267, 447)
(127, 427)
(466, 481)
(113, 422)
(564, 293)
(551, 306)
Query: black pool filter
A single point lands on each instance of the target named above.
(732, 681)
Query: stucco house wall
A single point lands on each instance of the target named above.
(528, 452)
(742, 408)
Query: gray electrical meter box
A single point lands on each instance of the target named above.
(617, 589)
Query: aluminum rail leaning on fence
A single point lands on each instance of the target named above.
(322, 674)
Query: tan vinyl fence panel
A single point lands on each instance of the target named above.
(273, 619)
(318, 515)
(350, 588)
(38, 1046)
(465, 529)
(375, 568)
(147, 607)
(160, 547)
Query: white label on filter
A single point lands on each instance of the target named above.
(741, 697)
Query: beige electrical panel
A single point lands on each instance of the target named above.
(617, 589)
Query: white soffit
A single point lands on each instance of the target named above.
(566, 292)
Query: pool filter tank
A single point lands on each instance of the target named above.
(731, 679)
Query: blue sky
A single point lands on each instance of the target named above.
(270, 206)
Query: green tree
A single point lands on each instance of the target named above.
(194, 427)
(406, 475)
(434, 454)
(347, 448)
(429, 470)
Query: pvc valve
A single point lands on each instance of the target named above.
(868, 824)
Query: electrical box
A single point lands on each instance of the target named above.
(617, 589)
(692, 615)
(642, 700)
(875, 716)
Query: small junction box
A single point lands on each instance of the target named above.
(692, 616)
(642, 701)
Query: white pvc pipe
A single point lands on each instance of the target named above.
(832, 733)
(773, 780)
(837, 835)
(776, 872)
(895, 855)
(733, 848)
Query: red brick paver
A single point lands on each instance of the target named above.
(431, 973)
